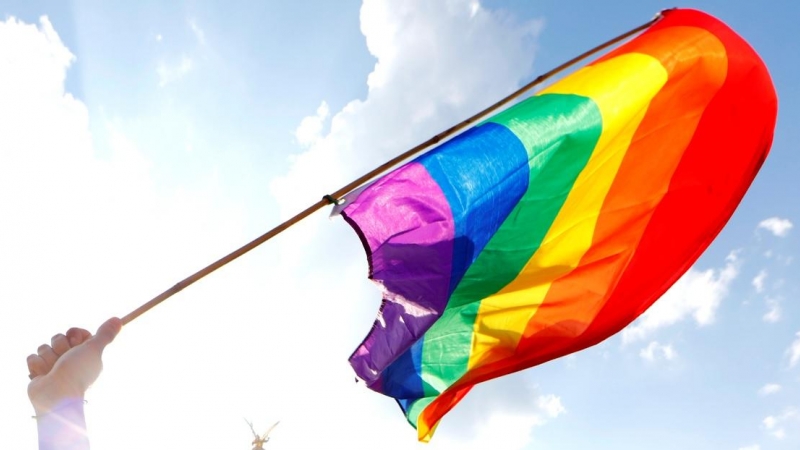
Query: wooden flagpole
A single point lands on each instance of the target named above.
(333, 198)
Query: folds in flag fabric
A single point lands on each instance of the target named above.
(554, 224)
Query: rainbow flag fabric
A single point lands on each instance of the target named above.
(554, 224)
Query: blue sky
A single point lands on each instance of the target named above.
(140, 141)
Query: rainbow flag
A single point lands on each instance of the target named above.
(554, 224)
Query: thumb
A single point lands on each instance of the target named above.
(107, 332)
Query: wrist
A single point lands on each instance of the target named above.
(48, 394)
(63, 426)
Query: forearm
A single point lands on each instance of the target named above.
(63, 427)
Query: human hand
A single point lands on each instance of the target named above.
(68, 366)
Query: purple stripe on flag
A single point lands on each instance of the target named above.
(405, 224)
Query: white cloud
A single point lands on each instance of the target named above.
(87, 234)
(751, 447)
(697, 294)
(502, 413)
(425, 80)
(503, 430)
(776, 425)
(169, 73)
(474, 7)
(777, 226)
(794, 351)
(655, 351)
(758, 281)
(497, 430)
(172, 70)
(310, 129)
(507, 430)
(198, 32)
(551, 405)
(774, 312)
(28, 77)
(769, 389)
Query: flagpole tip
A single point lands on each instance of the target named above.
(660, 15)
